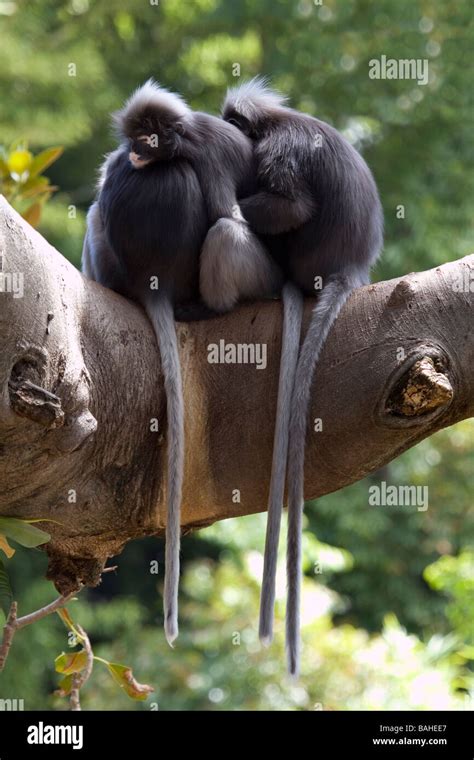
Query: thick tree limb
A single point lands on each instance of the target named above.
(80, 382)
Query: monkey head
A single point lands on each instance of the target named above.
(151, 124)
(252, 106)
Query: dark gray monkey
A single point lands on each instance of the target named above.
(175, 174)
(318, 210)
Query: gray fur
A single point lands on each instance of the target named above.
(331, 300)
(318, 206)
(160, 312)
(145, 246)
(245, 272)
(292, 318)
(109, 158)
(94, 237)
(86, 259)
(253, 97)
(98, 260)
(152, 221)
(154, 94)
(149, 97)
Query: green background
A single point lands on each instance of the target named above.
(389, 592)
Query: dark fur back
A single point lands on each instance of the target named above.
(155, 221)
(347, 227)
(223, 160)
(229, 149)
(334, 231)
(154, 218)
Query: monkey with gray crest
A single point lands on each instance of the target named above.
(165, 230)
(318, 211)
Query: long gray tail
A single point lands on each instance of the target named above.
(331, 300)
(160, 312)
(292, 318)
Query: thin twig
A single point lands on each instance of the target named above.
(8, 634)
(74, 699)
(79, 679)
(14, 623)
(33, 617)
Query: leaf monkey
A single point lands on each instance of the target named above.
(318, 210)
(164, 230)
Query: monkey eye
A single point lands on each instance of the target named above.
(235, 123)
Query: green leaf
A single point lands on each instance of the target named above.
(66, 618)
(44, 159)
(69, 622)
(22, 532)
(71, 663)
(33, 186)
(64, 686)
(6, 594)
(33, 214)
(123, 676)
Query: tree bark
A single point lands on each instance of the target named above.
(81, 384)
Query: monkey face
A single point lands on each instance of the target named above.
(241, 122)
(152, 129)
(160, 145)
(143, 150)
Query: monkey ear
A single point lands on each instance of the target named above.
(179, 127)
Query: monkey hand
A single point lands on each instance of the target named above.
(237, 214)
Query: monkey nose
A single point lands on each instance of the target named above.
(136, 160)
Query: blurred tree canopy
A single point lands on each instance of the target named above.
(388, 604)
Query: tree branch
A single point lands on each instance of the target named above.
(79, 679)
(9, 631)
(81, 383)
(14, 623)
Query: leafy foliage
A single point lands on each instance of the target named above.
(455, 577)
(21, 181)
(23, 532)
(6, 594)
(387, 598)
